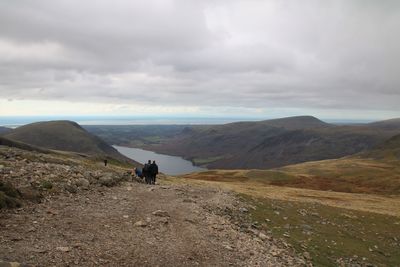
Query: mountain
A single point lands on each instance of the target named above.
(4, 130)
(376, 171)
(271, 143)
(64, 136)
(388, 150)
(392, 124)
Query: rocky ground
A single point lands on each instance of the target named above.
(90, 215)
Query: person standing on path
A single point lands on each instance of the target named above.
(105, 162)
(154, 172)
(147, 172)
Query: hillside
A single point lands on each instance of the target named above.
(388, 150)
(73, 211)
(64, 136)
(16, 144)
(376, 171)
(4, 130)
(108, 218)
(272, 143)
(253, 145)
(392, 124)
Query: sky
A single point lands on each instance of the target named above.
(273, 58)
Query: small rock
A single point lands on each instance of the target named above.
(71, 188)
(262, 236)
(160, 213)
(126, 216)
(52, 212)
(228, 247)
(31, 229)
(244, 210)
(164, 220)
(140, 224)
(63, 249)
(306, 227)
(275, 253)
(77, 245)
(189, 220)
(38, 250)
(307, 255)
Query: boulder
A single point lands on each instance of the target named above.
(31, 194)
(82, 183)
(107, 179)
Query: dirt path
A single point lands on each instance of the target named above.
(120, 226)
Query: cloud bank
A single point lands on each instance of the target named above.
(251, 56)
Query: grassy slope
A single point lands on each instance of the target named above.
(64, 136)
(330, 233)
(332, 226)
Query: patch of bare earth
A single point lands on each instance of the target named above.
(138, 225)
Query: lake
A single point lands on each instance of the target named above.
(167, 164)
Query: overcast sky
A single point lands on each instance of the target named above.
(332, 59)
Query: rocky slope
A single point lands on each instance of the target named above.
(90, 215)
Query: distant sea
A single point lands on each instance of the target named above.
(15, 121)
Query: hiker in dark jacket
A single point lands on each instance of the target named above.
(153, 172)
(147, 172)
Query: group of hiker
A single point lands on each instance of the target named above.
(149, 172)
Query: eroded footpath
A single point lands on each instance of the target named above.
(133, 224)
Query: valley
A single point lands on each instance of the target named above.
(253, 145)
(342, 211)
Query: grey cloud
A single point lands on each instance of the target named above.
(252, 54)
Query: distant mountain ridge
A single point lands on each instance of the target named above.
(64, 136)
(274, 143)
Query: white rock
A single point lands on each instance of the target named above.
(160, 213)
(140, 224)
(63, 249)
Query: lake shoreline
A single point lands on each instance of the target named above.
(168, 164)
